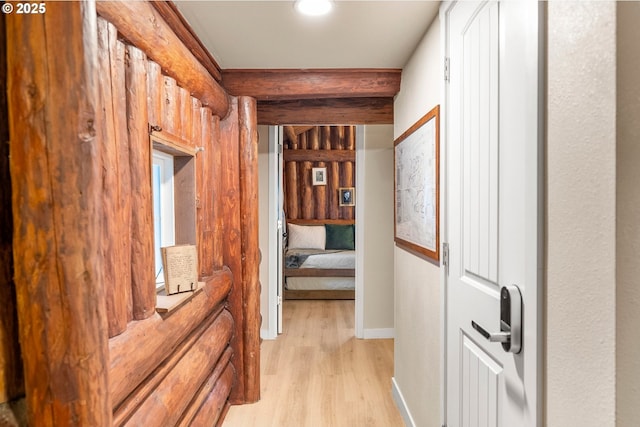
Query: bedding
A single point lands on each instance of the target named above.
(306, 236)
(320, 261)
(313, 258)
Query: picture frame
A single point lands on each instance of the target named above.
(319, 176)
(347, 196)
(417, 187)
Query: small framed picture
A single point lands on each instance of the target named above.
(347, 196)
(319, 176)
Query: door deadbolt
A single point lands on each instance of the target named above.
(510, 335)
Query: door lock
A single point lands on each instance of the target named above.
(510, 335)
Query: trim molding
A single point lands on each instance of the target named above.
(380, 333)
(398, 398)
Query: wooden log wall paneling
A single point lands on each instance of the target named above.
(142, 249)
(330, 147)
(56, 173)
(11, 377)
(250, 246)
(232, 244)
(116, 184)
(143, 26)
(80, 167)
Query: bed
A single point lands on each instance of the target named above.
(320, 260)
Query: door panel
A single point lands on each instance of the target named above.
(480, 145)
(481, 377)
(492, 209)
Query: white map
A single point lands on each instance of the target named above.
(416, 187)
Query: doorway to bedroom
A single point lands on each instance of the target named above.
(372, 220)
(316, 205)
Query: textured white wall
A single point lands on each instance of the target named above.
(378, 227)
(628, 216)
(417, 281)
(581, 213)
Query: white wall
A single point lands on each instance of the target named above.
(377, 227)
(628, 216)
(580, 215)
(417, 281)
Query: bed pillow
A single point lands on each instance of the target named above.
(306, 236)
(340, 237)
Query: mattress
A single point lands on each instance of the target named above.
(314, 283)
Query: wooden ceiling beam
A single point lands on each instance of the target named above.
(354, 111)
(289, 84)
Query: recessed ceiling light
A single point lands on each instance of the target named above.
(313, 7)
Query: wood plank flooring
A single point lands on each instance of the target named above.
(317, 374)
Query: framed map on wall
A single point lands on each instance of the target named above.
(417, 186)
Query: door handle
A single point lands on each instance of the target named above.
(510, 335)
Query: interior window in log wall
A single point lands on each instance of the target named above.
(308, 147)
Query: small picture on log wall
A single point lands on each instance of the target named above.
(319, 176)
(347, 196)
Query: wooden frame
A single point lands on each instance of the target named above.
(347, 196)
(319, 176)
(417, 186)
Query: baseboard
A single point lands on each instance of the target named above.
(401, 404)
(265, 334)
(382, 333)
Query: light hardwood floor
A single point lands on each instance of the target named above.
(317, 374)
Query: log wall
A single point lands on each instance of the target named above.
(11, 377)
(81, 153)
(308, 147)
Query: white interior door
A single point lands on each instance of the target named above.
(492, 209)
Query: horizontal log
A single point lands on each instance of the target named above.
(320, 294)
(185, 33)
(321, 221)
(288, 84)
(319, 155)
(143, 26)
(319, 272)
(368, 111)
(135, 353)
(165, 406)
(133, 401)
(213, 409)
(204, 392)
(223, 414)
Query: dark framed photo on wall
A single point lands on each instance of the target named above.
(417, 186)
(347, 196)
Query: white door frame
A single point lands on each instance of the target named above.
(536, 317)
(275, 255)
(274, 234)
(360, 218)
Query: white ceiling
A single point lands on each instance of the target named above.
(271, 34)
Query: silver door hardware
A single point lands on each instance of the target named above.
(510, 335)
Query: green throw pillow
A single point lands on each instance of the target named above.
(340, 237)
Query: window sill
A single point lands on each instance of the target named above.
(165, 304)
